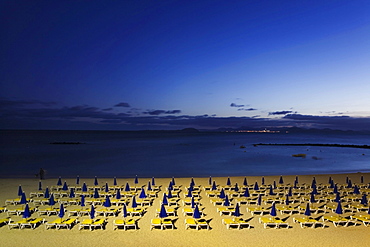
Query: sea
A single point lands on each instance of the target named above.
(125, 154)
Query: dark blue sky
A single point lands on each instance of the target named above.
(175, 64)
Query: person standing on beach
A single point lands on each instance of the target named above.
(42, 173)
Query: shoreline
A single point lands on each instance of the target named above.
(218, 235)
(314, 145)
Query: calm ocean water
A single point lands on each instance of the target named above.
(148, 154)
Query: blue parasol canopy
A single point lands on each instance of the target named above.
(192, 202)
(290, 191)
(118, 194)
(51, 200)
(84, 187)
(23, 199)
(170, 186)
(296, 180)
(271, 192)
(214, 186)
(96, 183)
(312, 198)
(337, 197)
(173, 181)
(149, 186)
(65, 186)
(245, 183)
(332, 184)
(169, 194)
(228, 182)
(92, 212)
(307, 212)
(349, 184)
(192, 183)
(47, 193)
(96, 193)
(281, 180)
(313, 182)
(124, 211)
(339, 209)
(273, 210)
(106, 188)
(127, 188)
(259, 200)
(26, 212)
(82, 201)
(61, 211)
(115, 181)
(364, 200)
(226, 202)
(153, 181)
(236, 188)
(163, 213)
(164, 200)
(72, 193)
(262, 181)
(196, 214)
(20, 191)
(246, 192)
(335, 190)
(237, 210)
(222, 194)
(136, 181)
(295, 184)
(314, 190)
(142, 194)
(133, 203)
(190, 194)
(287, 199)
(274, 184)
(59, 183)
(256, 186)
(107, 202)
(356, 190)
(210, 180)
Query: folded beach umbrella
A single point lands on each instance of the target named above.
(149, 186)
(226, 202)
(51, 200)
(40, 185)
(23, 199)
(246, 192)
(190, 194)
(368, 211)
(314, 189)
(115, 181)
(173, 181)
(133, 203)
(82, 201)
(335, 190)
(295, 184)
(84, 187)
(92, 212)
(332, 184)
(142, 193)
(281, 181)
(263, 181)
(236, 188)
(222, 194)
(312, 198)
(237, 210)
(26, 212)
(210, 180)
(330, 180)
(259, 200)
(61, 211)
(290, 191)
(72, 193)
(274, 184)
(256, 186)
(96, 183)
(20, 191)
(364, 200)
(337, 197)
(127, 188)
(196, 214)
(107, 202)
(296, 180)
(347, 180)
(65, 186)
(287, 199)
(349, 184)
(271, 193)
(273, 210)
(214, 186)
(192, 202)
(313, 182)
(228, 182)
(59, 183)
(96, 193)
(106, 189)
(362, 179)
(245, 183)
(163, 213)
(164, 200)
(47, 193)
(307, 212)
(118, 194)
(124, 211)
(169, 194)
(192, 183)
(339, 209)
(136, 181)
(153, 181)
(170, 187)
(78, 180)
(356, 190)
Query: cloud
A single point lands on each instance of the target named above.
(235, 105)
(160, 112)
(5, 103)
(122, 104)
(280, 112)
(248, 109)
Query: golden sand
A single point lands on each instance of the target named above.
(218, 235)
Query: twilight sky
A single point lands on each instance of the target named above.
(128, 65)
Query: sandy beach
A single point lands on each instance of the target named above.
(355, 234)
